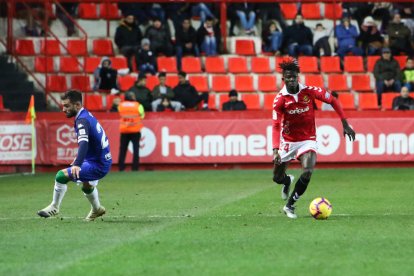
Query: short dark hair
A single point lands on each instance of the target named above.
(74, 96)
(290, 65)
(162, 74)
(182, 74)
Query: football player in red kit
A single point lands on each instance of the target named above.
(294, 132)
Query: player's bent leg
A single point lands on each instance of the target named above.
(59, 191)
(280, 177)
(91, 193)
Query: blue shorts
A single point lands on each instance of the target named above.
(91, 172)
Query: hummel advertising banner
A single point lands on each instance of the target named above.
(192, 141)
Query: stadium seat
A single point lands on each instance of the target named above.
(371, 60)
(109, 11)
(268, 101)
(1, 103)
(267, 83)
(69, 65)
(167, 64)
(110, 99)
(200, 82)
(215, 65)
(387, 99)
(338, 82)
(347, 101)
(314, 80)
(245, 47)
(191, 65)
(354, 64)
(367, 101)
(251, 100)
(56, 83)
(221, 83)
(87, 11)
(152, 81)
(289, 10)
(25, 47)
(171, 80)
(308, 64)
(330, 65)
(44, 64)
(260, 65)
(77, 47)
(361, 83)
(93, 102)
(244, 83)
(402, 60)
(91, 63)
(237, 65)
(333, 11)
(212, 101)
(50, 47)
(126, 82)
(311, 11)
(81, 83)
(222, 98)
(102, 47)
(119, 63)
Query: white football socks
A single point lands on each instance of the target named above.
(58, 193)
(94, 199)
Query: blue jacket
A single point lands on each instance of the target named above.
(346, 37)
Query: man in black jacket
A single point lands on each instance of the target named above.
(186, 41)
(233, 103)
(186, 94)
(404, 101)
(298, 38)
(142, 93)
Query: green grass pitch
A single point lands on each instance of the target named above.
(211, 223)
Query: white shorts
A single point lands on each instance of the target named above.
(292, 150)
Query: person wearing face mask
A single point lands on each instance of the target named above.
(298, 38)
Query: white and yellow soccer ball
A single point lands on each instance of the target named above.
(320, 208)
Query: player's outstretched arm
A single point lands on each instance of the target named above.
(348, 130)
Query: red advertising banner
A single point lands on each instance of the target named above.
(191, 141)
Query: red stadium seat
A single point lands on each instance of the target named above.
(119, 63)
(314, 80)
(126, 82)
(109, 11)
(289, 10)
(402, 60)
(268, 101)
(338, 82)
(371, 60)
(311, 11)
(1, 103)
(260, 65)
(93, 102)
(221, 83)
(102, 47)
(200, 82)
(387, 99)
(69, 65)
(361, 83)
(333, 11)
(81, 83)
(251, 100)
(237, 65)
(167, 64)
(56, 83)
(44, 64)
(308, 64)
(244, 83)
(191, 65)
(25, 47)
(347, 101)
(354, 64)
(50, 47)
(330, 65)
(87, 11)
(77, 47)
(91, 63)
(212, 101)
(215, 65)
(367, 101)
(222, 98)
(172, 80)
(152, 81)
(245, 47)
(267, 83)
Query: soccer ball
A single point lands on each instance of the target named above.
(320, 208)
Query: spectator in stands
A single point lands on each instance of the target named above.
(233, 103)
(70, 9)
(145, 58)
(370, 37)
(161, 91)
(321, 41)
(202, 10)
(271, 11)
(399, 37)
(382, 11)
(115, 103)
(357, 10)
(387, 75)
(408, 74)
(186, 41)
(142, 93)
(272, 38)
(128, 37)
(164, 105)
(346, 34)
(207, 37)
(247, 16)
(187, 95)
(156, 10)
(160, 38)
(138, 10)
(298, 38)
(105, 77)
(328, 107)
(177, 12)
(406, 10)
(404, 101)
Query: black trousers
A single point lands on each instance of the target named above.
(123, 147)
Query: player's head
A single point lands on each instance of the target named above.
(71, 102)
(130, 96)
(182, 77)
(290, 71)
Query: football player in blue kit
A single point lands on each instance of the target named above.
(93, 160)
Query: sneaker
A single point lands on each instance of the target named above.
(290, 211)
(286, 188)
(93, 214)
(49, 211)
